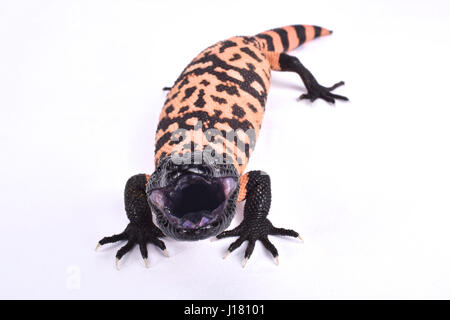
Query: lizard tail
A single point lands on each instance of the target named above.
(290, 37)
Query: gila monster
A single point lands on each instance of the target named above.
(206, 133)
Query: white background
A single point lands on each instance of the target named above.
(366, 183)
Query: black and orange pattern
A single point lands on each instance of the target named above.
(225, 87)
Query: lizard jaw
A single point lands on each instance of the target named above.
(194, 203)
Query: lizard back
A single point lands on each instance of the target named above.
(218, 100)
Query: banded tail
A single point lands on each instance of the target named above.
(290, 37)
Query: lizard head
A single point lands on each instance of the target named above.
(193, 201)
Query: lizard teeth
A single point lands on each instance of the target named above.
(204, 221)
(195, 170)
(188, 224)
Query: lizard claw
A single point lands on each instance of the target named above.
(316, 91)
(134, 234)
(252, 231)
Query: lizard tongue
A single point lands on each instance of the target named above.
(196, 217)
(191, 225)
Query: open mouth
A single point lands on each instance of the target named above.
(194, 201)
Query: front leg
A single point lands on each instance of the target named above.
(141, 229)
(255, 188)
